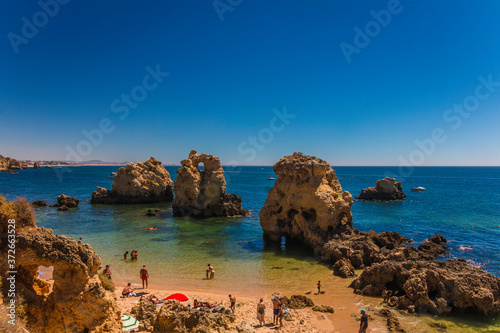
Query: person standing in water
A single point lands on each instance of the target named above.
(125, 255)
(107, 272)
(210, 272)
(144, 276)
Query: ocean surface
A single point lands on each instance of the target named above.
(460, 203)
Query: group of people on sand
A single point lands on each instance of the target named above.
(133, 255)
(278, 312)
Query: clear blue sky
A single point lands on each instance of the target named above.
(227, 76)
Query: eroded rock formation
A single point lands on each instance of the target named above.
(36, 165)
(306, 202)
(203, 193)
(386, 189)
(143, 182)
(77, 302)
(66, 200)
(175, 317)
(10, 165)
(433, 286)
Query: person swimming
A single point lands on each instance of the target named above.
(151, 228)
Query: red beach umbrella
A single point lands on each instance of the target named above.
(178, 297)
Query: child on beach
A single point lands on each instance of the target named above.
(319, 287)
(232, 300)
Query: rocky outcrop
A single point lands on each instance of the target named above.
(175, 317)
(323, 308)
(343, 268)
(306, 202)
(39, 203)
(386, 189)
(433, 286)
(393, 324)
(66, 200)
(297, 302)
(77, 301)
(147, 182)
(37, 165)
(145, 313)
(203, 194)
(10, 165)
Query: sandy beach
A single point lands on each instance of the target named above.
(346, 305)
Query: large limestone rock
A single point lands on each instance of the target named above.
(203, 193)
(147, 182)
(175, 317)
(306, 202)
(386, 189)
(77, 301)
(433, 287)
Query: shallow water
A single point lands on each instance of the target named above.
(460, 203)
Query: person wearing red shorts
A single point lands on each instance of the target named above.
(144, 276)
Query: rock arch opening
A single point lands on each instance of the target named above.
(43, 282)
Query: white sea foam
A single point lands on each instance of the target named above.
(465, 248)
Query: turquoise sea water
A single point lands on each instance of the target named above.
(461, 203)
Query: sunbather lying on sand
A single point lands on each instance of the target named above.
(152, 298)
(197, 304)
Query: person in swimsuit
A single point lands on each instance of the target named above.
(196, 304)
(144, 276)
(125, 255)
(152, 228)
(260, 312)
(128, 291)
(276, 308)
(80, 241)
(232, 300)
(210, 272)
(107, 272)
(319, 287)
(152, 298)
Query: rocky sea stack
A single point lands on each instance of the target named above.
(306, 202)
(386, 189)
(77, 301)
(202, 193)
(143, 182)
